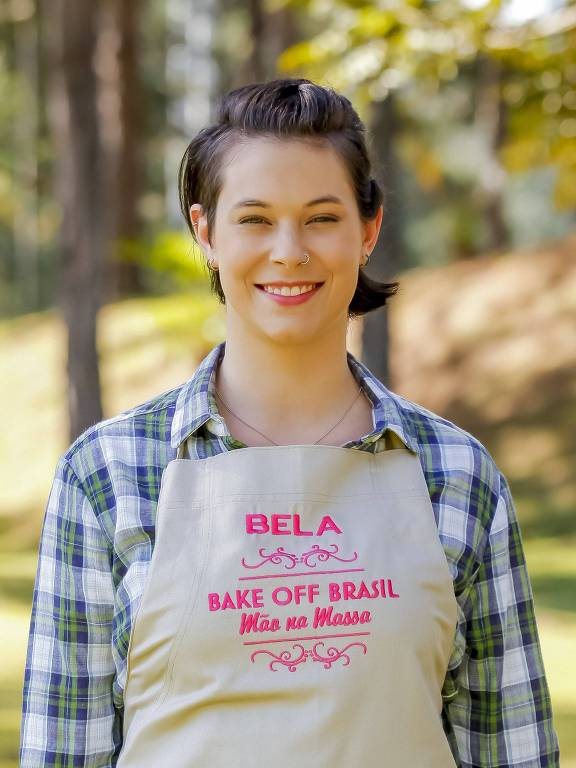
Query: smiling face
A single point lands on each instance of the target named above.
(279, 200)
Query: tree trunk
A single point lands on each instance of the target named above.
(271, 32)
(124, 161)
(387, 256)
(256, 68)
(74, 117)
(192, 81)
(279, 33)
(490, 117)
(26, 170)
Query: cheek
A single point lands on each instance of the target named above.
(345, 265)
(236, 272)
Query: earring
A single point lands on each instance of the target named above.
(367, 259)
(211, 265)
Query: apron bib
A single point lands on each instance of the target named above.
(298, 611)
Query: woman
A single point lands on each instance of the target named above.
(347, 589)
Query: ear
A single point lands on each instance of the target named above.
(371, 231)
(200, 225)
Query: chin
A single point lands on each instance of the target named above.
(288, 336)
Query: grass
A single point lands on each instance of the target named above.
(488, 365)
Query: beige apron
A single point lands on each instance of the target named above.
(299, 612)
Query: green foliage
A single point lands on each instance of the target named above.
(418, 41)
(12, 88)
(368, 50)
(170, 252)
(540, 92)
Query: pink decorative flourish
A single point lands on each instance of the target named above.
(332, 654)
(325, 554)
(284, 658)
(274, 557)
(321, 554)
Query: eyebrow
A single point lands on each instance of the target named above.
(249, 202)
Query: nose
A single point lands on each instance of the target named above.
(288, 248)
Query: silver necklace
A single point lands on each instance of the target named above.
(269, 438)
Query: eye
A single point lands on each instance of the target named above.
(325, 218)
(251, 220)
(259, 219)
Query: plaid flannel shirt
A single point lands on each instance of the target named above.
(97, 541)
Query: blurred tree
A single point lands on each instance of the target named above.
(191, 85)
(124, 113)
(424, 52)
(80, 190)
(388, 256)
(25, 144)
(21, 134)
(490, 118)
(524, 76)
(251, 37)
(256, 65)
(540, 95)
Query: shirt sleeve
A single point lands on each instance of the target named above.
(68, 715)
(501, 714)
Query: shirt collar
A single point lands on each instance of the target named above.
(196, 403)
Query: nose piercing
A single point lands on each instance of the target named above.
(307, 258)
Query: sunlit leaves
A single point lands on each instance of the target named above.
(171, 253)
(369, 49)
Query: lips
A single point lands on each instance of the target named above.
(288, 289)
(286, 297)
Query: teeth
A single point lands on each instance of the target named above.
(286, 291)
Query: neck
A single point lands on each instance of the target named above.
(293, 392)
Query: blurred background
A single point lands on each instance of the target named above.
(471, 111)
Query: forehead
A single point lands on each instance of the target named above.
(271, 168)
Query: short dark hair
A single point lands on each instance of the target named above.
(290, 109)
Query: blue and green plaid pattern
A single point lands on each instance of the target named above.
(98, 537)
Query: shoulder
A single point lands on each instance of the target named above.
(137, 436)
(450, 455)
(445, 447)
(464, 481)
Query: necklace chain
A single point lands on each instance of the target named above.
(340, 420)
